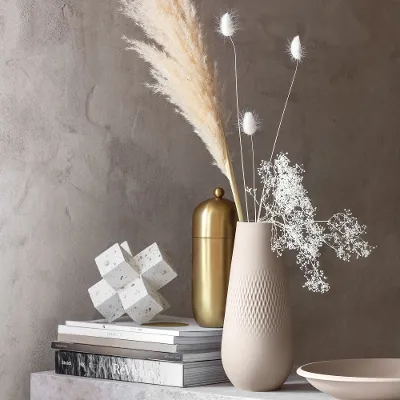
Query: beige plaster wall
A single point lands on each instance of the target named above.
(89, 157)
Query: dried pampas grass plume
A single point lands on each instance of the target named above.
(183, 72)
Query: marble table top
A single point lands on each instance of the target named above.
(50, 386)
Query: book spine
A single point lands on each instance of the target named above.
(126, 344)
(117, 327)
(124, 335)
(138, 337)
(116, 351)
(196, 332)
(119, 368)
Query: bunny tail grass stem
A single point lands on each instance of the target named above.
(278, 131)
(284, 110)
(254, 179)
(239, 124)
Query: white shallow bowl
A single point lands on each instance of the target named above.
(356, 379)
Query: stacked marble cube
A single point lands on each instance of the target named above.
(130, 283)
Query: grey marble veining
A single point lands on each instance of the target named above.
(49, 386)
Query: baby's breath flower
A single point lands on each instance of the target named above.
(288, 208)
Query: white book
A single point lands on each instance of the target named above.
(130, 344)
(135, 336)
(185, 326)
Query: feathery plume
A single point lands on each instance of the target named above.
(182, 72)
(228, 24)
(295, 49)
(250, 123)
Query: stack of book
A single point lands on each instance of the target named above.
(169, 351)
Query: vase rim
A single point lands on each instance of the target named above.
(252, 223)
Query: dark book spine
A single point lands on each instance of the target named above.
(114, 368)
(117, 352)
(89, 366)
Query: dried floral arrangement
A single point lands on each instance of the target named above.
(184, 74)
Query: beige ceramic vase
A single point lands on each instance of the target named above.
(257, 348)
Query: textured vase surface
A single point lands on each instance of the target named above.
(257, 348)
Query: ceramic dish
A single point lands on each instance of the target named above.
(356, 379)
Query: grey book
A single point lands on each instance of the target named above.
(131, 344)
(138, 354)
(145, 371)
(156, 337)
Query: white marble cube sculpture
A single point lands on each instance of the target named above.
(106, 300)
(116, 266)
(154, 267)
(140, 302)
(130, 284)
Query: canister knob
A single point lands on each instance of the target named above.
(219, 193)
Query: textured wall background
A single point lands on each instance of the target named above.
(89, 157)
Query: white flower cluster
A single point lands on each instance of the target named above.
(343, 236)
(286, 205)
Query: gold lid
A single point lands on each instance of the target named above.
(215, 218)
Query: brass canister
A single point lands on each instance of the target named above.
(214, 226)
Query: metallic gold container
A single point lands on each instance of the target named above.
(214, 225)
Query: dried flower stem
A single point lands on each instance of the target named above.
(254, 178)
(278, 131)
(239, 124)
(284, 110)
